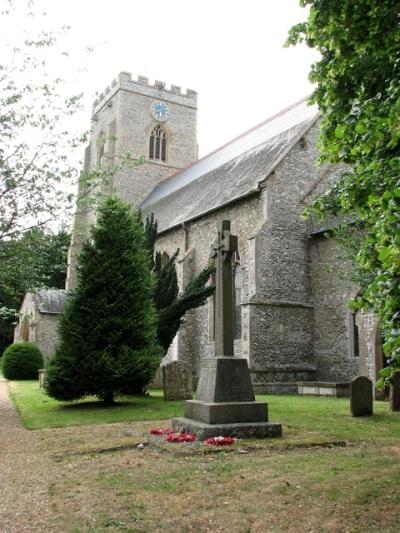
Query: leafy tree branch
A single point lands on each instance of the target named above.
(358, 92)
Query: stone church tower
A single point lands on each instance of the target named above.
(154, 125)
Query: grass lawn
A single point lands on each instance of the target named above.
(329, 473)
(39, 411)
(305, 419)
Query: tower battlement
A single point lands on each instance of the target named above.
(142, 85)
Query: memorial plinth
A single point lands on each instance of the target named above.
(225, 404)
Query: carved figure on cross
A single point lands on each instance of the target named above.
(222, 252)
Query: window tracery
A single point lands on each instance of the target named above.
(158, 144)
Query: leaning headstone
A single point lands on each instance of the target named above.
(361, 396)
(177, 381)
(395, 392)
(225, 403)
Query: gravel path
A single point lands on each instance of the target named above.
(25, 474)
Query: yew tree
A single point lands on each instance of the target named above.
(108, 342)
(358, 93)
(171, 304)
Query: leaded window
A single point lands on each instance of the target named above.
(158, 144)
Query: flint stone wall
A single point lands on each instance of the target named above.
(278, 294)
(331, 316)
(196, 330)
(42, 327)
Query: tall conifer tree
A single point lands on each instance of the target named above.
(108, 340)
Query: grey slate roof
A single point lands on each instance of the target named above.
(50, 301)
(231, 172)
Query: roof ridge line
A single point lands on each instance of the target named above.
(269, 119)
(250, 192)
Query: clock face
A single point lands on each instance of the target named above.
(160, 111)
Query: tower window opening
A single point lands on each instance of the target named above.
(158, 144)
(101, 142)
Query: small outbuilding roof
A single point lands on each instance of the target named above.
(231, 172)
(50, 301)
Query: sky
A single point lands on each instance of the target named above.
(229, 51)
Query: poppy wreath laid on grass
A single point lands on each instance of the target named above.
(180, 437)
(161, 431)
(219, 441)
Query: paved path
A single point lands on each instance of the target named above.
(25, 474)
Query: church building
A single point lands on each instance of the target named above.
(292, 322)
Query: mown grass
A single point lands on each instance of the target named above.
(39, 411)
(242, 489)
(305, 419)
(316, 418)
(329, 473)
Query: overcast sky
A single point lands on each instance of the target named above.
(230, 51)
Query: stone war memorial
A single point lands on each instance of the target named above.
(225, 403)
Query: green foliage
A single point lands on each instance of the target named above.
(358, 93)
(38, 411)
(36, 259)
(167, 289)
(171, 305)
(35, 143)
(38, 138)
(194, 295)
(350, 237)
(21, 361)
(108, 329)
(150, 232)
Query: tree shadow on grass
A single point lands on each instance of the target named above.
(96, 405)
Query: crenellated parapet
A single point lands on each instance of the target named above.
(142, 85)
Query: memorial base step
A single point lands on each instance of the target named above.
(240, 430)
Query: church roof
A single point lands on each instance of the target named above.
(50, 301)
(229, 173)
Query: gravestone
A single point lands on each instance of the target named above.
(225, 403)
(361, 396)
(177, 381)
(41, 375)
(395, 392)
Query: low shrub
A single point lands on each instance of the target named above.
(21, 360)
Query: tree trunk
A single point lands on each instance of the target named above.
(108, 398)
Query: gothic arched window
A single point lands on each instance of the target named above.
(25, 330)
(158, 144)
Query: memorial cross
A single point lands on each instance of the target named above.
(222, 253)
